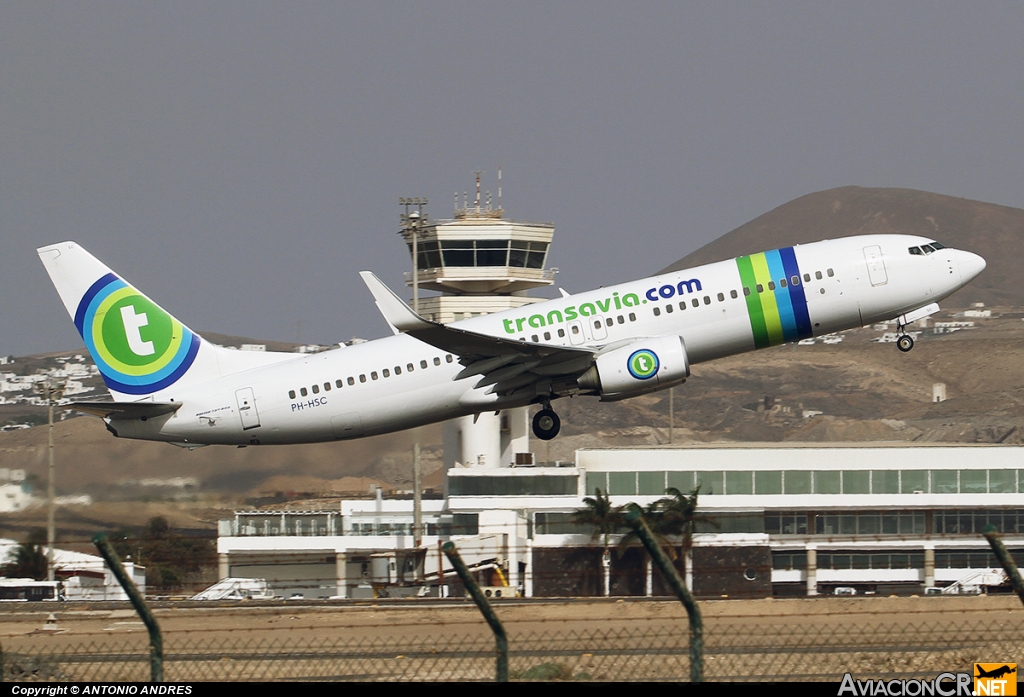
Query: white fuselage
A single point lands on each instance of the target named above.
(399, 382)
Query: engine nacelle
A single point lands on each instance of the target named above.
(641, 366)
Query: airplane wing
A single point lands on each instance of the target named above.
(126, 410)
(503, 363)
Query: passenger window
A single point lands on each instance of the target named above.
(303, 391)
(721, 297)
(733, 294)
(746, 291)
(817, 275)
(291, 394)
(536, 338)
(783, 283)
(373, 374)
(362, 378)
(316, 389)
(547, 336)
(561, 333)
(575, 329)
(760, 288)
(387, 373)
(327, 387)
(632, 317)
(682, 304)
(410, 367)
(795, 281)
(437, 361)
(398, 370)
(339, 383)
(352, 381)
(423, 364)
(448, 358)
(807, 278)
(669, 308)
(771, 285)
(657, 312)
(707, 299)
(609, 321)
(696, 303)
(831, 273)
(622, 320)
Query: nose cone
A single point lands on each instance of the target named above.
(970, 265)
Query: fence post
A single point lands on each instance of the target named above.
(156, 641)
(636, 520)
(1005, 559)
(500, 640)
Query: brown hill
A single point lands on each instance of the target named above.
(90, 460)
(994, 232)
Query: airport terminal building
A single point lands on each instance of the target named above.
(786, 520)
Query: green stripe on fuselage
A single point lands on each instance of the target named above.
(757, 324)
(769, 307)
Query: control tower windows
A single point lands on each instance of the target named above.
(476, 253)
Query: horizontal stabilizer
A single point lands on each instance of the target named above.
(126, 410)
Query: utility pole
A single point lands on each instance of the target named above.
(52, 392)
(671, 415)
(411, 222)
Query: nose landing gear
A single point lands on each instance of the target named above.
(546, 423)
(905, 342)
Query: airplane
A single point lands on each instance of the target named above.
(999, 672)
(169, 384)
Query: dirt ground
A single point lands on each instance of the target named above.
(25, 622)
(607, 640)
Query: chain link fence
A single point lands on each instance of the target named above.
(782, 652)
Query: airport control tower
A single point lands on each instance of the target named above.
(480, 262)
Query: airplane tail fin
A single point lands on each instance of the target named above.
(139, 348)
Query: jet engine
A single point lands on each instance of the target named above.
(641, 366)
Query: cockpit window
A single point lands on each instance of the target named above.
(936, 246)
(916, 251)
(927, 248)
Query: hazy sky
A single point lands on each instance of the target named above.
(241, 162)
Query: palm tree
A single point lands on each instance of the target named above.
(657, 523)
(605, 519)
(28, 560)
(678, 513)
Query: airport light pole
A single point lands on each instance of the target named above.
(52, 392)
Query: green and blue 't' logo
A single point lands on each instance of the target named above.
(137, 346)
(643, 364)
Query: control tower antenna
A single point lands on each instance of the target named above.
(476, 203)
(499, 187)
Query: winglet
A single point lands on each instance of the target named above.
(399, 315)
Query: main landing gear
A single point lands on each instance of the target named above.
(546, 423)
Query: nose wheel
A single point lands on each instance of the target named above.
(905, 343)
(546, 424)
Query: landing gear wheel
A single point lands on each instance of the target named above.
(905, 343)
(546, 424)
